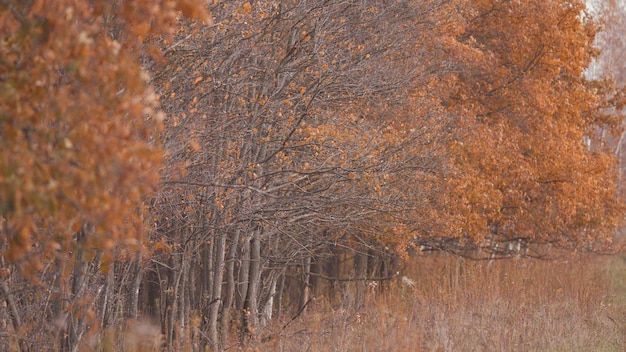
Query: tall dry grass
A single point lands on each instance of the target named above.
(574, 304)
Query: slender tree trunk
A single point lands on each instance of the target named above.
(189, 311)
(192, 300)
(207, 270)
(306, 284)
(170, 308)
(181, 303)
(214, 308)
(279, 294)
(251, 307)
(107, 298)
(15, 316)
(229, 295)
(135, 284)
(243, 275)
(268, 305)
(206, 292)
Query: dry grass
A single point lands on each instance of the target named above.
(575, 304)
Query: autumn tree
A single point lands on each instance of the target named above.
(291, 126)
(307, 143)
(76, 157)
(297, 126)
(522, 169)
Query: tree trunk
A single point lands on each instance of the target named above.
(133, 293)
(279, 294)
(169, 304)
(15, 316)
(182, 298)
(268, 305)
(243, 276)
(206, 285)
(306, 285)
(214, 308)
(229, 295)
(251, 307)
(106, 307)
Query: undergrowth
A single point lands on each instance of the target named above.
(573, 304)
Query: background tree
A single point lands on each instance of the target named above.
(297, 127)
(522, 171)
(292, 126)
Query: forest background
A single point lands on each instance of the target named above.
(338, 175)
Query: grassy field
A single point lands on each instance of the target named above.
(577, 303)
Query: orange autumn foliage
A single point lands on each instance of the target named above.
(523, 168)
(77, 116)
(282, 136)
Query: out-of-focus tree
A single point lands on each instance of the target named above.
(77, 117)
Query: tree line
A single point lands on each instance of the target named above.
(214, 168)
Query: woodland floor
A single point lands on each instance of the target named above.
(576, 303)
